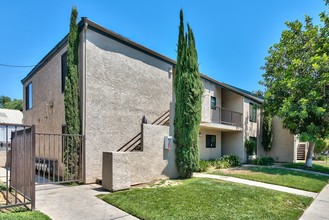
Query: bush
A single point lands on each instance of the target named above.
(319, 157)
(267, 161)
(250, 147)
(227, 161)
(204, 165)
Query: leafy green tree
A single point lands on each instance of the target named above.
(71, 99)
(188, 92)
(320, 146)
(267, 134)
(6, 102)
(296, 79)
(258, 93)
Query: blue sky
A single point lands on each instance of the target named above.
(232, 36)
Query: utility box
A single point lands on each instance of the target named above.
(168, 141)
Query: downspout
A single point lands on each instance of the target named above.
(84, 30)
(84, 76)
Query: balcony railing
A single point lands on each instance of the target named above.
(229, 117)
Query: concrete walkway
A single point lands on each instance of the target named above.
(319, 209)
(259, 184)
(76, 202)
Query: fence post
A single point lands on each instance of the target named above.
(32, 183)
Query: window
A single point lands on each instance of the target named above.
(252, 112)
(254, 140)
(64, 64)
(210, 141)
(28, 96)
(213, 102)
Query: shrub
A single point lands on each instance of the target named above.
(319, 157)
(267, 161)
(204, 165)
(250, 147)
(227, 161)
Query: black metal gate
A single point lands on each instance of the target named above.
(59, 158)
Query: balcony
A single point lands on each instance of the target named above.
(224, 119)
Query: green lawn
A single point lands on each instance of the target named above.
(202, 198)
(317, 166)
(35, 215)
(279, 176)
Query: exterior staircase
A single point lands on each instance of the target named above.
(135, 144)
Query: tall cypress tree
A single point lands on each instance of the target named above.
(188, 92)
(71, 99)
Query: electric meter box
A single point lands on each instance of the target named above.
(168, 142)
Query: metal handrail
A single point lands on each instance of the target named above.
(231, 120)
(133, 143)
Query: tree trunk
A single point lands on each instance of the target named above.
(308, 162)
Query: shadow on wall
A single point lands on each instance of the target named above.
(122, 169)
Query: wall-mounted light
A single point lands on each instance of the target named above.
(170, 70)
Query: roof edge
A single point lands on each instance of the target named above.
(129, 42)
(258, 100)
(46, 58)
(96, 26)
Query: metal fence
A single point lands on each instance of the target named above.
(229, 117)
(17, 184)
(59, 158)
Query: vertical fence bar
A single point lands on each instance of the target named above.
(32, 183)
(48, 167)
(25, 161)
(58, 152)
(65, 158)
(16, 182)
(44, 159)
(38, 166)
(9, 164)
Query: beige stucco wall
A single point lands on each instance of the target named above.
(232, 101)
(153, 163)
(209, 153)
(47, 113)
(232, 143)
(252, 129)
(3, 158)
(283, 143)
(122, 85)
(210, 89)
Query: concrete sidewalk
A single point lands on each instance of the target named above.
(319, 209)
(76, 202)
(259, 184)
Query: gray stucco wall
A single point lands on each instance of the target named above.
(122, 85)
(155, 162)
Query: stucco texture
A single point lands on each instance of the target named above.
(47, 113)
(122, 85)
(210, 153)
(154, 162)
(283, 143)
